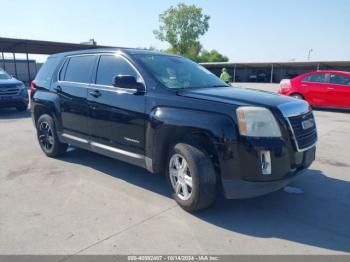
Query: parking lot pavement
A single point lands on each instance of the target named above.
(259, 86)
(84, 203)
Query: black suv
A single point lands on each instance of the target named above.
(170, 115)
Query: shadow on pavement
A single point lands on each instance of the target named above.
(320, 216)
(333, 110)
(12, 113)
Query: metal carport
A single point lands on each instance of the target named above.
(26, 46)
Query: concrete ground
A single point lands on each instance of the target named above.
(85, 203)
(260, 86)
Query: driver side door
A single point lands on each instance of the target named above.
(117, 115)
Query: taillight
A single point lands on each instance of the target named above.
(32, 87)
(285, 84)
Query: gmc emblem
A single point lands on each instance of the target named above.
(307, 124)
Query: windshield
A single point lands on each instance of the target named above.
(4, 75)
(178, 72)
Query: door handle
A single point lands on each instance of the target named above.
(95, 93)
(58, 88)
(331, 88)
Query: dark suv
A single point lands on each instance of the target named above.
(170, 115)
(13, 93)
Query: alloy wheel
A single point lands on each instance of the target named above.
(180, 176)
(46, 137)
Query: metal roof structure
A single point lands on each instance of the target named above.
(274, 71)
(286, 64)
(26, 46)
(13, 45)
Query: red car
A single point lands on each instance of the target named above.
(320, 88)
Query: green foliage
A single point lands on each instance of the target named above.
(211, 56)
(181, 27)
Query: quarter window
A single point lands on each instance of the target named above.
(79, 69)
(316, 78)
(339, 79)
(44, 76)
(110, 66)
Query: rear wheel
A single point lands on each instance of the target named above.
(47, 137)
(191, 177)
(297, 96)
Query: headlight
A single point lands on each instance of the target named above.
(257, 122)
(21, 86)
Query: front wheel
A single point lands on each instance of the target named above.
(191, 177)
(47, 137)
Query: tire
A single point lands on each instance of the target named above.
(197, 170)
(22, 108)
(47, 137)
(297, 96)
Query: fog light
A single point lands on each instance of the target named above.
(265, 161)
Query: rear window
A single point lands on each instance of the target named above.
(316, 78)
(339, 79)
(79, 69)
(44, 76)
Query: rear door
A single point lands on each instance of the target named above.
(339, 88)
(315, 89)
(72, 88)
(117, 116)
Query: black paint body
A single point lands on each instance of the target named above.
(156, 118)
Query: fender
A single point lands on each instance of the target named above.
(168, 126)
(46, 102)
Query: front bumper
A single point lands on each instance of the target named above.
(246, 187)
(240, 189)
(15, 100)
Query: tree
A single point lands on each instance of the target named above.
(211, 56)
(181, 27)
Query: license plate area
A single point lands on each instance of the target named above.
(6, 97)
(309, 156)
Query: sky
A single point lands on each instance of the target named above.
(243, 30)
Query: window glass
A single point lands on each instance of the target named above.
(79, 68)
(339, 79)
(63, 70)
(110, 66)
(178, 72)
(316, 78)
(4, 75)
(44, 76)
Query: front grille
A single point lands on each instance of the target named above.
(304, 138)
(9, 90)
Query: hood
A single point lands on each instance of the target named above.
(9, 82)
(237, 96)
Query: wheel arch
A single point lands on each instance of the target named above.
(45, 103)
(297, 93)
(205, 130)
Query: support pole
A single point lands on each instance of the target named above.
(3, 61)
(28, 69)
(234, 73)
(14, 63)
(36, 67)
(271, 79)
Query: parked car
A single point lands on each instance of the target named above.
(170, 115)
(13, 93)
(320, 88)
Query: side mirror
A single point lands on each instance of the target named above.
(127, 82)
